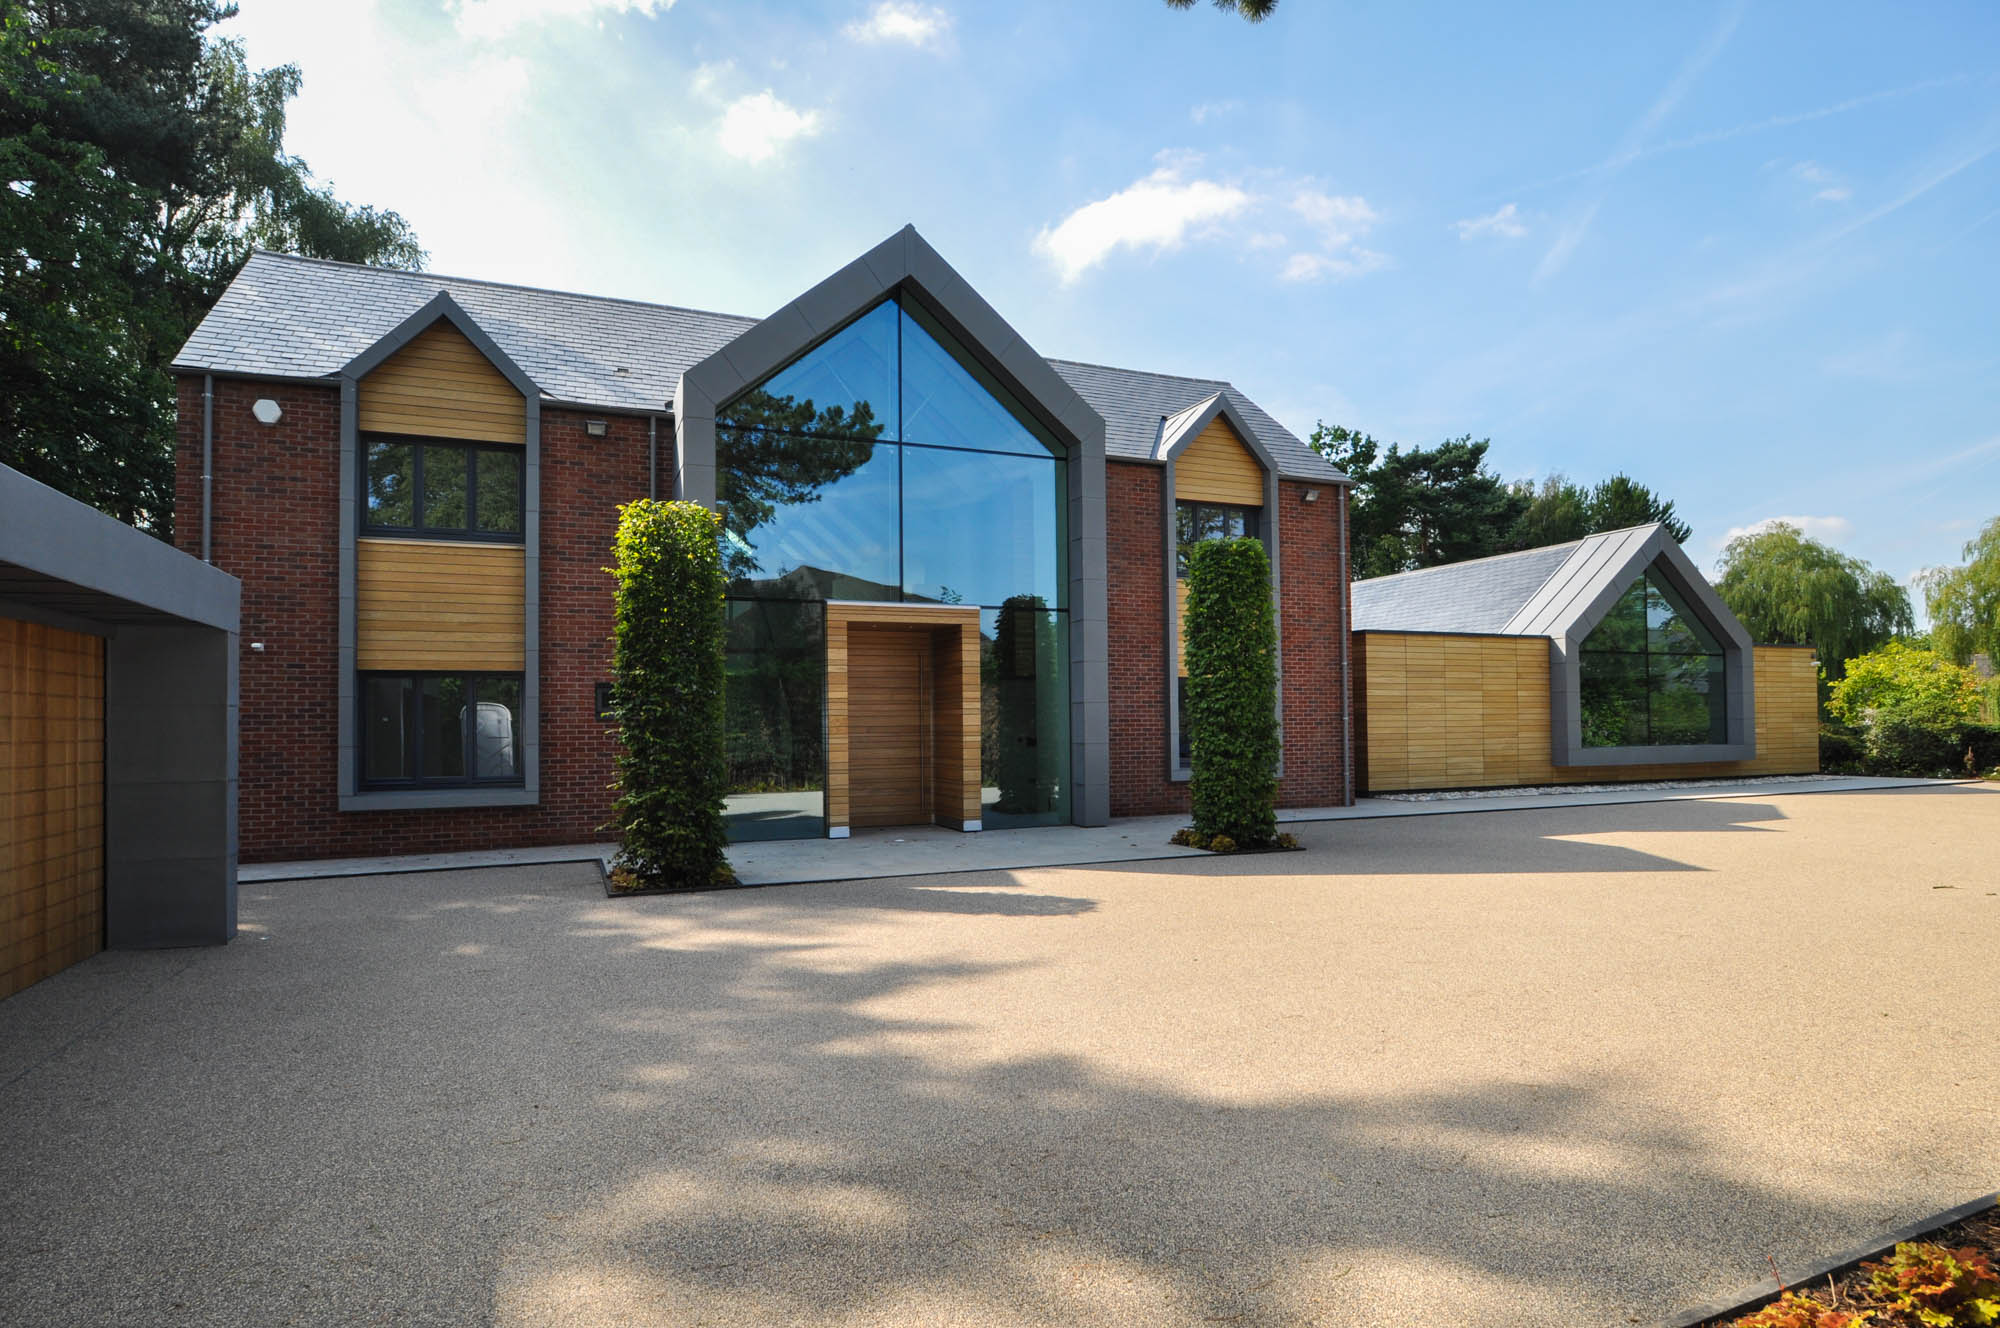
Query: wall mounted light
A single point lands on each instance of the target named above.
(595, 428)
(1312, 495)
(267, 411)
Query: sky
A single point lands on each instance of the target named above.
(1747, 253)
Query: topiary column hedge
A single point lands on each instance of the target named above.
(1232, 692)
(667, 679)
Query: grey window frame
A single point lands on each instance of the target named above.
(418, 445)
(468, 740)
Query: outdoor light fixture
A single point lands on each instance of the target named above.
(267, 411)
(595, 428)
(1312, 495)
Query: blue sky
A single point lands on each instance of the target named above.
(1748, 253)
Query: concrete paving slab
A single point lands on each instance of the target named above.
(927, 850)
(1585, 1065)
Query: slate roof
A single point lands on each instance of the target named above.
(1535, 592)
(291, 317)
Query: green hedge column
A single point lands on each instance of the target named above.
(1232, 690)
(667, 675)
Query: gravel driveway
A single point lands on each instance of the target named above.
(1584, 1066)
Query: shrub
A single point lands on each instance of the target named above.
(667, 673)
(1232, 690)
(1938, 1287)
(1841, 751)
(1982, 747)
(1909, 684)
(1796, 1311)
(1899, 747)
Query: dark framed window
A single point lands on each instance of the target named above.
(441, 490)
(439, 729)
(1195, 523)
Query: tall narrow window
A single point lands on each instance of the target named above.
(1652, 674)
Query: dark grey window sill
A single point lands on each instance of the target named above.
(1684, 754)
(403, 800)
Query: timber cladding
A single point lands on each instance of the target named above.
(51, 801)
(902, 715)
(1440, 711)
(439, 605)
(441, 386)
(1217, 468)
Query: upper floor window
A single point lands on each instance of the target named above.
(1196, 523)
(442, 490)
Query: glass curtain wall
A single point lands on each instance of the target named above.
(1652, 674)
(884, 465)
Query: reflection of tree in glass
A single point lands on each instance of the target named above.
(1023, 652)
(777, 451)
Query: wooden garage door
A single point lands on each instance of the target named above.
(51, 801)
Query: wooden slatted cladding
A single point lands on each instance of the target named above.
(51, 801)
(439, 605)
(1443, 711)
(902, 714)
(1217, 468)
(441, 386)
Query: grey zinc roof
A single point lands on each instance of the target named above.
(1480, 595)
(290, 317)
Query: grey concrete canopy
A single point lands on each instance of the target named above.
(905, 265)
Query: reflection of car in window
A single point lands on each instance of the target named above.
(493, 743)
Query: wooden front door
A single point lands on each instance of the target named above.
(889, 725)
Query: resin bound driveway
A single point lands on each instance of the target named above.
(1586, 1066)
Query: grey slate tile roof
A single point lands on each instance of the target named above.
(1479, 595)
(290, 317)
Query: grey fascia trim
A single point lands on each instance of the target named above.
(442, 306)
(53, 534)
(436, 799)
(346, 772)
(1190, 423)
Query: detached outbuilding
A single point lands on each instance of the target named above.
(117, 738)
(1609, 658)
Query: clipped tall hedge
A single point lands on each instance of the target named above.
(1232, 691)
(667, 678)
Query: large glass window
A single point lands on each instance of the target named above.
(442, 490)
(1651, 674)
(884, 464)
(1024, 715)
(775, 656)
(440, 728)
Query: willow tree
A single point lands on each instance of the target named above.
(1791, 590)
(1964, 602)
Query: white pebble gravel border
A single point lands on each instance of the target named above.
(1556, 790)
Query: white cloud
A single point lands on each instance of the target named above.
(1318, 267)
(1210, 110)
(757, 126)
(1158, 213)
(1812, 173)
(900, 21)
(497, 18)
(1505, 223)
(1828, 529)
(1341, 220)
(1837, 194)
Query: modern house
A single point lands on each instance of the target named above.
(954, 563)
(1607, 658)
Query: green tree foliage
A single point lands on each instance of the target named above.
(1622, 502)
(1906, 683)
(1964, 602)
(668, 677)
(1232, 690)
(1421, 507)
(1254, 10)
(1791, 590)
(776, 451)
(143, 162)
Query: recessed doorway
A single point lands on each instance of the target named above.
(902, 716)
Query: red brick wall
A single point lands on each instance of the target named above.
(276, 527)
(1314, 609)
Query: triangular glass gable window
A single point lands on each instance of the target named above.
(845, 387)
(948, 403)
